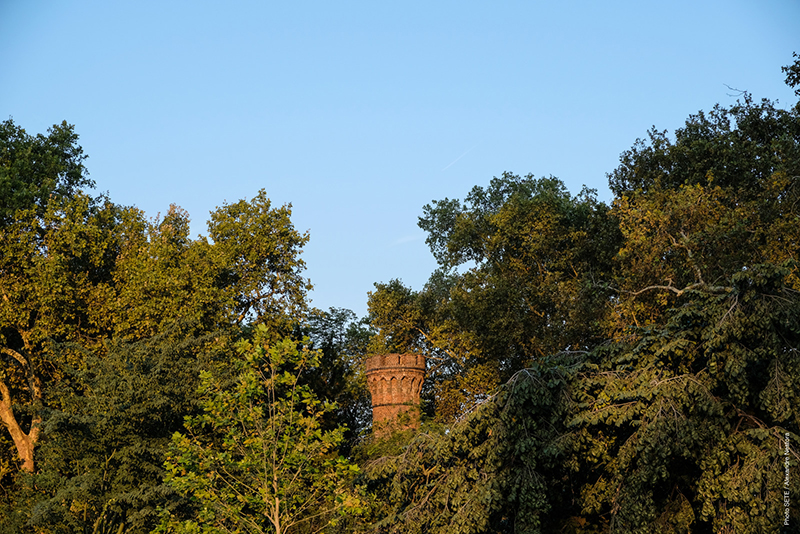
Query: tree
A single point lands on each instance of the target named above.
(256, 459)
(523, 273)
(682, 417)
(664, 331)
(684, 427)
(495, 471)
(248, 270)
(34, 169)
(343, 341)
(258, 250)
(100, 463)
(85, 270)
(173, 307)
(721, 197)
(739, 148)
(793, 74)
(55, 279)
(695, 238)
(88, 286)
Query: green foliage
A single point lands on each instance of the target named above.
(106, 319)
(251, 270)
(739, 147)
(161, 275)
(631, 368)
(55, 286)
(256, 459)
(793, 74)
(259, 249)
(696, 237)
(486, 473)
(684, 428)
(339, 376)
(101, 467)
(678, 309)
(522, 270)
(35, 169)
(170, 306)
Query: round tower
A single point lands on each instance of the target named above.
(395, 381)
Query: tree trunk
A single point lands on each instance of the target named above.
(22, 441)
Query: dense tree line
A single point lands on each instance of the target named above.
(107, 322)
(630, 367)
(592, 367)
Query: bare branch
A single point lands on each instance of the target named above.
(696, 286)
(736, 92)
(16, 355)
(449, 352)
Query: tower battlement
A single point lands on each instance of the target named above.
(395, 382)
(396, 361)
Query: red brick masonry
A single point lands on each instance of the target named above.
(394, 381)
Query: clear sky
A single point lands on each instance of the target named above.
(360, 113)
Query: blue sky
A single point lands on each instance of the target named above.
(360, 113)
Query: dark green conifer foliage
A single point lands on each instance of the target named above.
(495, 471)
(683, 430)
(105, 443)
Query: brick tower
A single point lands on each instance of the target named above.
(394, 381)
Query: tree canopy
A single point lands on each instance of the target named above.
(106, 320)
(657, 336)
(256, 459)
(35, 168)
(592, 367)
